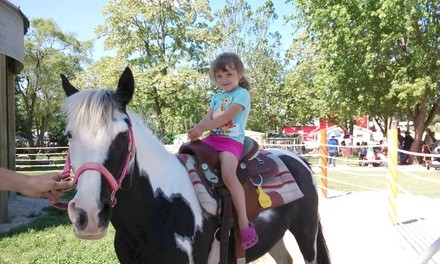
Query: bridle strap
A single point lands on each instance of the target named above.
(114, 185)
(65, 175)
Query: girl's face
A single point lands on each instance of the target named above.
(227, 80)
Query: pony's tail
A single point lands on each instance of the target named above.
(323, 255)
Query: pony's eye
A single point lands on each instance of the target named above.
(69, 135)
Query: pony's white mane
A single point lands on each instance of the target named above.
(93, 107)
(146, 132)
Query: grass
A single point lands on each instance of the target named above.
(49, 238)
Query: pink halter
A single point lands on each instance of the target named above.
(114, 185)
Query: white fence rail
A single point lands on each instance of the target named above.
(40, 158)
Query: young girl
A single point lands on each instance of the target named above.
(226, 119)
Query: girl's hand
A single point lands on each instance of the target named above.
(195, 132)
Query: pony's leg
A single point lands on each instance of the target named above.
(280, 254)
(313, 248)
(306, 240)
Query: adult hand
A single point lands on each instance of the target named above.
(47, 185)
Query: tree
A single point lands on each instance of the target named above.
(378, 57)
(247, 33)
(162, 39)
(48, 52)
(301, 91)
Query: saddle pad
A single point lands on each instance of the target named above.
(208, 203)
(282, 188)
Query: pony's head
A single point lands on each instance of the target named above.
(101, 149)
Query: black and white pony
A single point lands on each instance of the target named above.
(124, 175)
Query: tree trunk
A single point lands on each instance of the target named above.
(419, 129)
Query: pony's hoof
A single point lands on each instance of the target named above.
(248, 237)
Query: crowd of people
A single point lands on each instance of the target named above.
(370, 155)
(406, 140)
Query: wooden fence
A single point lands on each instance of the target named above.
(40, 158)
(53, 158)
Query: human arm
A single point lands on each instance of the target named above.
(47, 185)
(209, 123)
(207, 117)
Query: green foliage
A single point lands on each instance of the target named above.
(346, 59)
(246, 31)
(48, 52)
(376, 57)
(57, 128)
(161, 39)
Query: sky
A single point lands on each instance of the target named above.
(81, 17)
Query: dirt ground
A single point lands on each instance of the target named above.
(22, 210)
(358, 229)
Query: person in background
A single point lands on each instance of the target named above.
(371, 156)
(406, 145)
(362, 153)
(428, 146)
(346, 148)
(47, 185)
(332, 150)
(400, 145)
(382, 154)
(430, 140)
(226, 120)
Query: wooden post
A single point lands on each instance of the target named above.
(14, 24)
(4, 217)
(323, 161)
(10, 115)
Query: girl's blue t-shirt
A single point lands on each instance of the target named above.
(220, 102)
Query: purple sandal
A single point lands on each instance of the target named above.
(248, 237)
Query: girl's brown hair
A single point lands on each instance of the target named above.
(232, 60)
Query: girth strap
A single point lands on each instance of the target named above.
(225, 224)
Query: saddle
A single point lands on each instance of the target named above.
(253, 169)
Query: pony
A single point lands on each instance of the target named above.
(125, 175)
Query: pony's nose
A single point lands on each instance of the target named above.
(77, 215)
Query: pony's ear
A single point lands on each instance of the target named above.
(69, 89)
(125, 89)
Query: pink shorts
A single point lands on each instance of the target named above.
(221, 143)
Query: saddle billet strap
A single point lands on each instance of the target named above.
(225, 224)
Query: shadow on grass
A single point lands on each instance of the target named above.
(52, 218)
